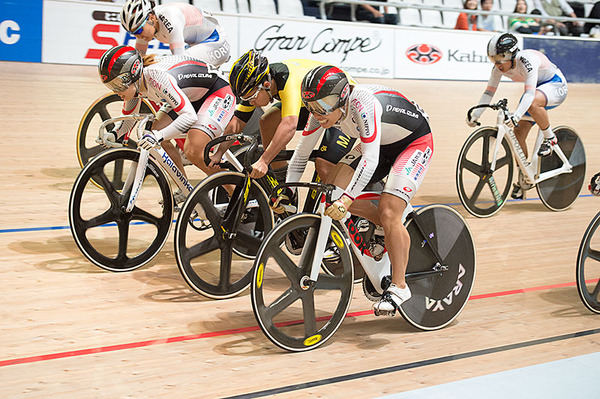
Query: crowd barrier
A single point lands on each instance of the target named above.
(78, 32)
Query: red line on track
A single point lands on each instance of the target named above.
(141, 344)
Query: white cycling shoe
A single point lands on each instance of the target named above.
(391, 300)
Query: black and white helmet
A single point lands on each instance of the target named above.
(135, 13)
(324, 89)
(502, 47)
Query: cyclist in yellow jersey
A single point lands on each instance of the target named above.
(256, 83)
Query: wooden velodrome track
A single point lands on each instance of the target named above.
(71, 330)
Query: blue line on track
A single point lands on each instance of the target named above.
(26, 229)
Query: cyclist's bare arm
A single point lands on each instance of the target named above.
(283, 135)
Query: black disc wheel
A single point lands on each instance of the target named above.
(588, 267)
(106, 234)
(293, 312)
(558, 193)
(482, 192)
(440, 288)
(214, 257)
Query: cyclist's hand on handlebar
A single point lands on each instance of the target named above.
(339, 208)
(594, 186)
(472, 122)
(109, 140)
(259, 169)
(511, 121)
(150, 139)
(284, 197)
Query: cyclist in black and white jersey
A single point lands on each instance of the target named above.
(178, 25)
(395, 141)
(196, 99)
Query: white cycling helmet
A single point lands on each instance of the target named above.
(135, 14)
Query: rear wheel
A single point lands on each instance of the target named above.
(559, 192)
(440, 288)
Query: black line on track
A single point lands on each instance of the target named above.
(412, 365)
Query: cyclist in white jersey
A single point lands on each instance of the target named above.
(197, 101)
(395, 141)
(545, 88)
(176, 24)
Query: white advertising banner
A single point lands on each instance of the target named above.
(361, 50)
(79, 32)
(442, 54)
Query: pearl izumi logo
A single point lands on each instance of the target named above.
(424, 54)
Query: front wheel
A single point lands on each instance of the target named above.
(217, 261)
(440, 287)
(588, 267)
(559, 192)
(483, 192)
(293, 313)
(106, 234)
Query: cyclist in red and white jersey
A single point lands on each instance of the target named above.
(197, 101)
(395, 141)
(545, 88)
(176, 24)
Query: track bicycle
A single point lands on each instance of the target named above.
(588, 267)
(240, 216)
(299, 307)
(124, 225)
(484, 170)
(108, 106)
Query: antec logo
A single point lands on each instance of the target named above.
(424, 54)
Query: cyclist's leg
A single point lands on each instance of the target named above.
(164, 117)
(214, 52)
(208, 127)
(401, 186)
(521, 133)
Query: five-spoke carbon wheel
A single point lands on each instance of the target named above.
(106, 234)
(438, 297)
(559, 192)
(588, 267)
(294, 313)
(215, 260)
(482, 192)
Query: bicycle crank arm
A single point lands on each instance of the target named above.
(437, 269)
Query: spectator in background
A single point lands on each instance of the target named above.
(365, 12)
(559, 8)
(467, 21)
(526, 25)
(490, 23)
(594, 13)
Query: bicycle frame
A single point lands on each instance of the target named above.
(378, 271)
(528, 168)
(159, 155)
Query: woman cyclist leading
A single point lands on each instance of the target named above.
(395, 141)
(545, 88)
(176, 24)
(186, 88)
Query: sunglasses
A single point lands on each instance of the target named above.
(117, 85)
(140, 29)
(253, 97)
(323, 106)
